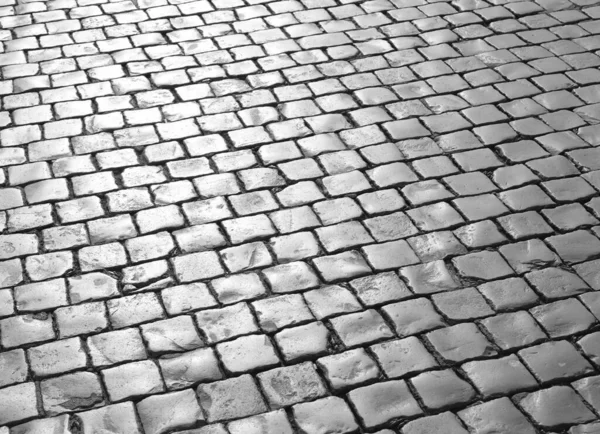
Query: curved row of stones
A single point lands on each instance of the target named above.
(299, 216)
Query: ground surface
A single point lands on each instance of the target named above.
(314, 216)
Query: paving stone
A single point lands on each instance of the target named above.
(163, 413)
(18, 245)
(483, 265)
(57, 357)
(56, 424)
(291, 277)
(413, 316)
(460, 342)
(556, 283)
(470, 183)
(588, 389)
(343, 236)
(462, 304)
(438, 424)
(499, 415)
(91, 286)
(588, 273)
(120, 418)
(246, 228)
(513, 176)
(390, 255)
(499, 376)
(295, 247)
(26, 329)
(326, 415)
(337, 210)
(331, 300)
(247, 353)
(590, 346)
(380, 288)
(240, 394)
(566, 362)
(512, 330)
(436, 245)
(41, 296)
(274, 421)
(228, 322)
(481, 234)
(525, 198)
(440, 389)
(291, 385)
(303, 342)
(577, 246)
(342, 266)
(402, 357)
(274, 313)
(435, 217)
(71, 392)
(378, 403)
(116, 346)
(429, 278)
(528, 255)
(508, 294)
(19, 403)
(563, 318)
(14, 364)
(525, 225)
(350, 368)
(6, 298)
(264, 184)
(229, 290)
(132, 379)
(171, 335)
(360, 328)
(102, 257)
(134, 309)
(569, 217)
(590, 300)
(582, 429)
(556, 406)
(390, 227)
(197, 266)
(244, 257)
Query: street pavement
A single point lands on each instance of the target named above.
(299, 216)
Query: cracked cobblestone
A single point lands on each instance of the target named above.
(299, 216)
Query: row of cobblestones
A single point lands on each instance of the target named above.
(299, 216)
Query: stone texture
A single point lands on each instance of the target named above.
(556, 406)
(19, 402)
(291, 385)
(118, 418)
(71, 392)
(229, 399)
(379, 403)
(163, 413)
(499, 415)
(295, 207)
(327, 415)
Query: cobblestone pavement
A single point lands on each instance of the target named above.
(299, 216)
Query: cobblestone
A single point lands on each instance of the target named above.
(299, 216)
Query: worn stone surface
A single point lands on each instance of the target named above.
(70, 392)
(556, 406)
(163, 413)
(379, 403)
(499, 415)
(327, 415)
(299, 216)
(233, 398)
(119, 418)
